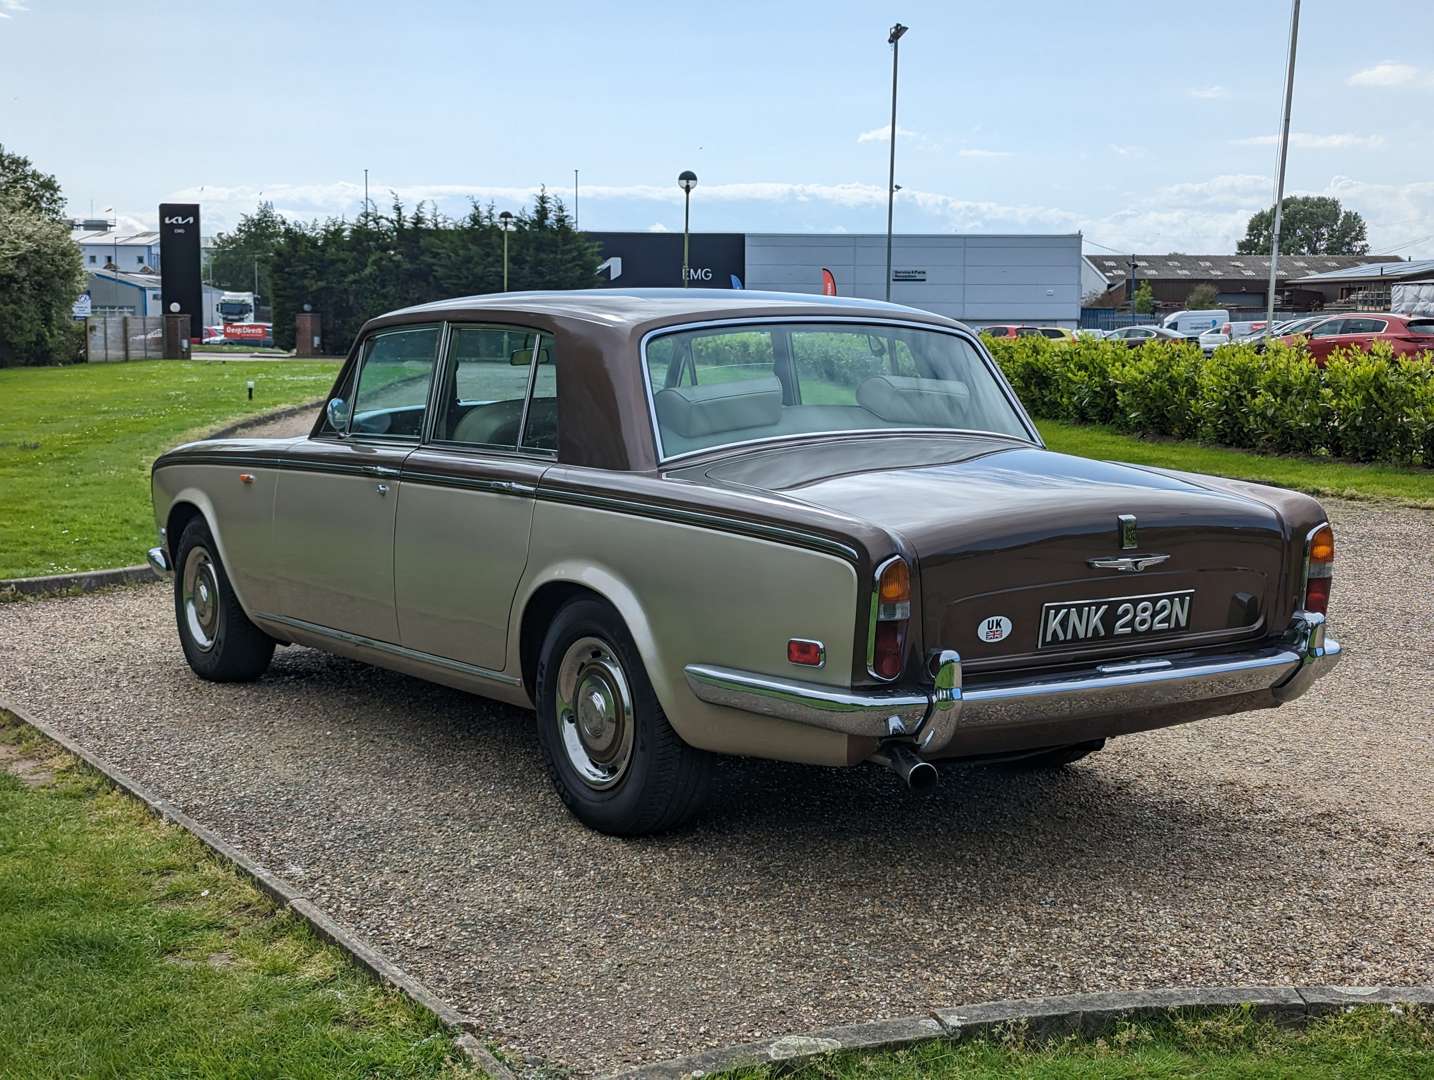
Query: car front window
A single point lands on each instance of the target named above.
(717, 386)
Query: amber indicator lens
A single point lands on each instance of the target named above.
(1322, 546)
(806, 653)
(1320, 570)
(894, 592)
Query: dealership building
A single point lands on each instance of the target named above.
(976, 279)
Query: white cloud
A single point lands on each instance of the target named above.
(1208, 93)
(1127, 151)
(12, 7)
(972, 152)
(883, 134)
(658, 226)
(1303, 140)
(1391, 73)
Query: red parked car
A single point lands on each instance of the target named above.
(1406, 334)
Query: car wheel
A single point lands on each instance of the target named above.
(219, 641)
(1055, 758)
(614, 759)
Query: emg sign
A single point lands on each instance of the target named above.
(644, 260)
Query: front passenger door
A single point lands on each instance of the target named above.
(338, 492)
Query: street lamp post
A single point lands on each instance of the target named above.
(505, 222)
(686, 180)
(894, 40)
(1280, 172)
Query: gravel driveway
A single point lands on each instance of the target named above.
(1283, 846)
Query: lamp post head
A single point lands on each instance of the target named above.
(505, 221)
(687, 180)
(896, 32)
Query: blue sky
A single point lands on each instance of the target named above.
(1152, 132)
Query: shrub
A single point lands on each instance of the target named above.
(1157, 391)
(1382, 406)
(1365, 406)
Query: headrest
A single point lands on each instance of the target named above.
(920, 402)
(695, 411)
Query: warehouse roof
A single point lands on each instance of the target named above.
(1116, 268)
(1372, 271)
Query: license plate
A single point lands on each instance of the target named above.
(1118, 618)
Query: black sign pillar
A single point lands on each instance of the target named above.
(179, 263)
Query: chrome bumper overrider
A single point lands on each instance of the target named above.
(158, 560)
(930, 717)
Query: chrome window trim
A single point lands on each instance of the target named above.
(908, 324)
(429, 439)
(365, 346)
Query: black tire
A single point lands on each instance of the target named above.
(219, 641)
(648, 783)
(1057, 758)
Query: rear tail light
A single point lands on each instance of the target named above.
(1319, 568)
(890, 615)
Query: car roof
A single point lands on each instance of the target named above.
(633, 307)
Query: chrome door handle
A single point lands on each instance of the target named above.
(382, 489)
(379, 470)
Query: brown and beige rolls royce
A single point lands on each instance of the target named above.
(679, 523)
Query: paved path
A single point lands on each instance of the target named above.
(1288, 846)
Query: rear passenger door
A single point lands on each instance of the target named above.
(1361, 332)
(462, 535)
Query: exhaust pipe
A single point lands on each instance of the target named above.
(919, 776)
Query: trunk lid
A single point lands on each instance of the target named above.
(1004, 535)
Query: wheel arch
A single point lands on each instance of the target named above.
(186, 505)
(560, 585)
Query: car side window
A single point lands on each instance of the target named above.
(1364, 326)
(487, 376)
(540, 429)
(1327, 329)
(391, 394)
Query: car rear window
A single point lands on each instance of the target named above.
(1421, 326)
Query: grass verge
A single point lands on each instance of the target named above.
(76, 444)
(1343, 479)
(1367, 1043)
(127, 950)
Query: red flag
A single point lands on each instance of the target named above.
(828, 283)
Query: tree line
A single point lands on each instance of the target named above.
(350, 271)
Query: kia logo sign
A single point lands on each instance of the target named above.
(179, 221)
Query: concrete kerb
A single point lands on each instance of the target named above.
(90, 580)
(1040, 1019)
(361, 953)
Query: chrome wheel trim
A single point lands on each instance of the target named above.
(595, 717)
(199, 598)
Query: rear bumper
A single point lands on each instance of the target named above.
(1014, 713)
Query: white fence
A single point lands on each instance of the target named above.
(124, 337)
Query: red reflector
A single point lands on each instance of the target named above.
(886, 656)
(806, 653)
(1317, 595)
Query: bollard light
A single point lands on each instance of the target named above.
(250, 387)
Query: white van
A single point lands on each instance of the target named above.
(1195, 323)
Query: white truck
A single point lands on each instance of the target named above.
(236, 307)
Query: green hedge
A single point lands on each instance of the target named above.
(1364, 406)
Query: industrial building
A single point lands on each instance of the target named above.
(108, 292)
(1241, 281)
(130, 252)
(976, 279)
(1374, 286)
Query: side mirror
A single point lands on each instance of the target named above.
(338, 413)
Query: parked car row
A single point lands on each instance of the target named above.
(1406, 335)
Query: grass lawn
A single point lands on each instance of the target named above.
(126, 950)
(1368, 1043)
(1411, 485)
(76, 444)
